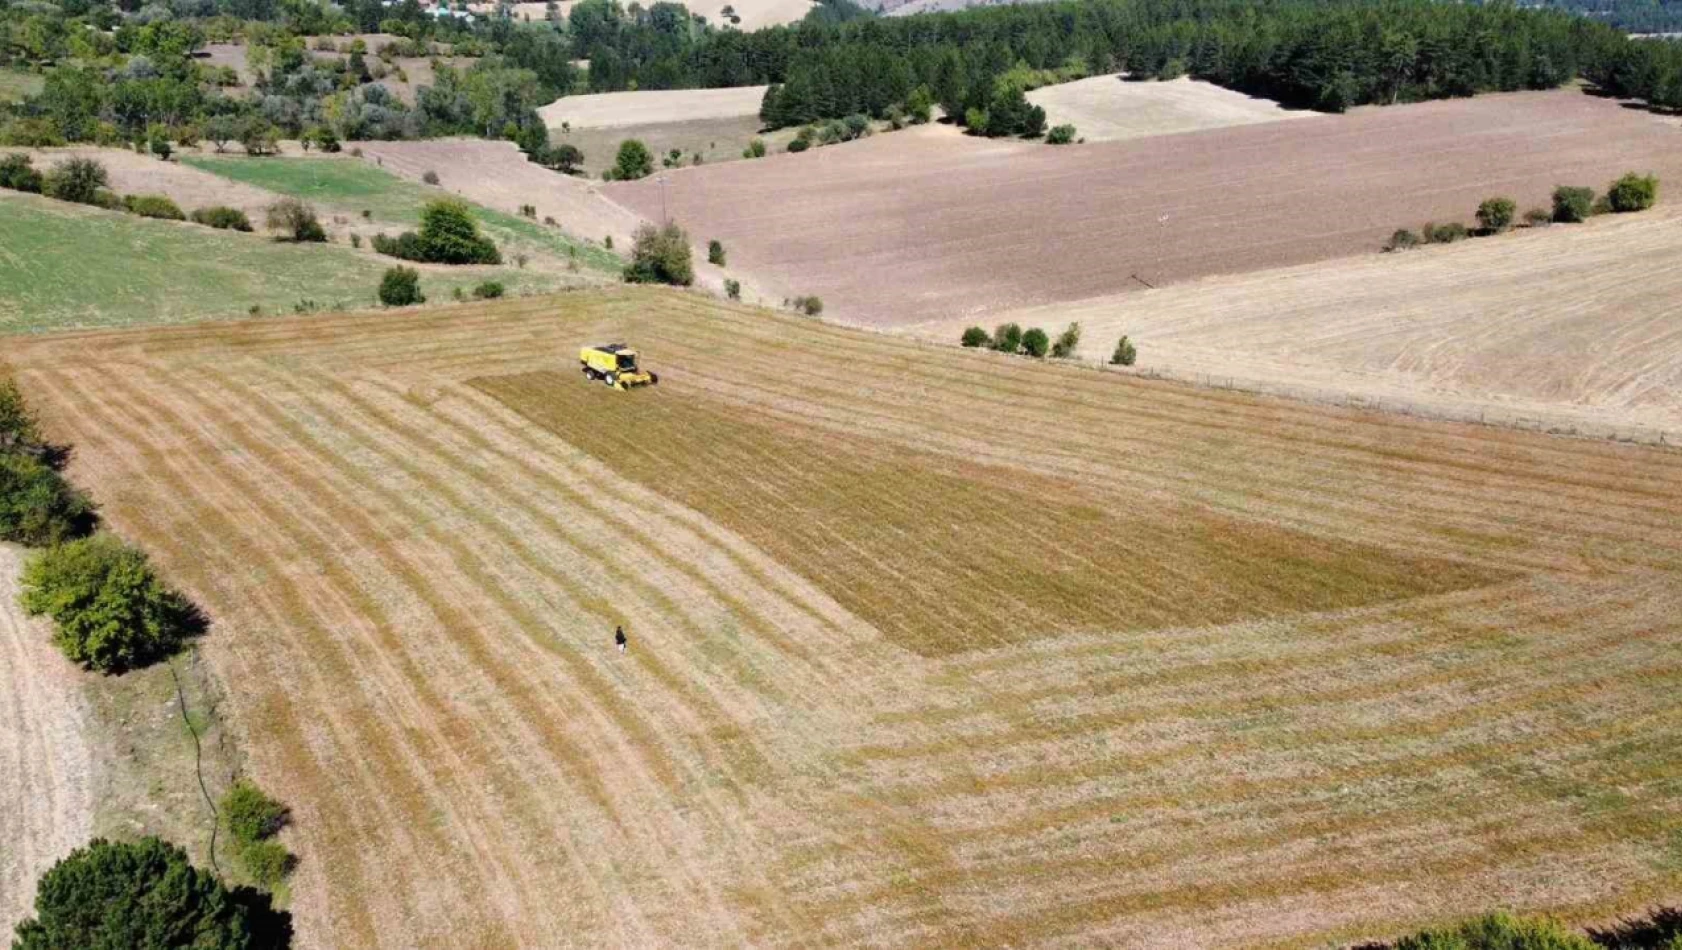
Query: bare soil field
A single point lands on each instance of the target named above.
(47, 758)
(715, 140)
(926, 224)
(927, 647)
(1110, 109)
(754, 14)
(606, 110)
(1564, 326)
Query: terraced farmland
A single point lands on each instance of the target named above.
(927, 647)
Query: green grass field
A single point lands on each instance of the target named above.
(15, 84)
(64, 266)
(349, 187)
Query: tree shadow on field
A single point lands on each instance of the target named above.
(1656, 931)
(271, 927)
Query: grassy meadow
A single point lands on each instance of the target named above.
(66, 266)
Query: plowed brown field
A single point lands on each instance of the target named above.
(927, 224)
(927, 648)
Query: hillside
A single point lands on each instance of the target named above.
(926, 646)
(927, 224)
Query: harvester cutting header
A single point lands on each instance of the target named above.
(614, 364)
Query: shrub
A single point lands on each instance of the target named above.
(295, 220)
(250, 814)
(733, 289)
(715, 253)
(37, 506)
(1536, 217)
(975, 337)
(221, 216)
(1498, 931)
(1035, 342)
(1007, 338)
(755, 149)
(449, 235)
(153, 206)
(633, 161)
(919, 106)
(810, 306)
(489, 290)
(135, 894)
(1445, 233)
(1602, 205)
(17, 174)
(400, 287)
(660, 256)
(1496, 214)
(19, 428)
(1067, 342)
(356, 241)
(1060, 135)
(565, 159)
(1401, 240)
(1125, 354)
(112, 612)
(430, 177)
(268, 862)
(1572, 205)
(157, 142)
(76, 179)
(258, 137)
(799, 144)
(1633, 192)
(857, 126)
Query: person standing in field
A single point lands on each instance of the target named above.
(619, 638)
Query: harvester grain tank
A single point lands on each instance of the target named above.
(614, 364)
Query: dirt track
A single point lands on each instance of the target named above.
(46, 761)
(924, 224)
(415, 533)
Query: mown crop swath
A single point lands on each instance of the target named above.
(416, 540)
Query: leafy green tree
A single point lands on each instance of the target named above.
(1007, 338)
(1633, 192)
(1572, 205)
(1060, 135)
(220, 130)
(143, 894)
(633, 161)
(1067, 342)
(1125, 353)
(660, 256)
(19, 429)
(400, 287)
(564, 158)
(715, 252)
(76, 179)
(450, 235)
(112, 611)
(1035, 343)
(295, 220)
(258, 137)
(733, 289)
(1496, 214)
(919, 106)
(250, 814)
(37, 506)
(975, 337)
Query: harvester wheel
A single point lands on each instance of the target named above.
(653, 379)
(611, 380)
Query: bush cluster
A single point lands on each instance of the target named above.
(400, 287)
(153, 206)
(1571, 204)
(294, 220)
(489, 290)
(448, 235)
(660, 256)
(38, 507)
(1060, 135)
(221, 216)
(253, 819)
(111, 610)
(810, 306)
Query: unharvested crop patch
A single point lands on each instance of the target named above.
(1367, 670)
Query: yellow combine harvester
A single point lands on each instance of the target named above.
(614, 364)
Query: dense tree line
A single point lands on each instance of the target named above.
(1631, 16)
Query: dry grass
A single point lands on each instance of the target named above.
(1109, 109)
(1465, 693)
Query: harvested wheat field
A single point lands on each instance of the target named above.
(1111, 109)
(927, 224)
(926, 647)
(1569, 326)
(46, 761)
(606, 110)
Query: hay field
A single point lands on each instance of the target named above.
(1109, 109)
(1568, 326)
(607, 110)
(926, 224)
(927, 647)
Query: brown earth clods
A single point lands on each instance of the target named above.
(926, 224)
(917, 657)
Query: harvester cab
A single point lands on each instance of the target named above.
(614, 364)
